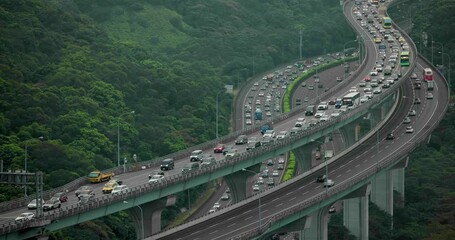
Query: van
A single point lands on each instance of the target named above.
(189, 167)
(196, 156)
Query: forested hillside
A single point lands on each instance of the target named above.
(71, 73)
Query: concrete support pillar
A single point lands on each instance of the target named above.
(147, 217)
(237, 182)
(398, 180)
(382, 191)
(350, 133)
(355, 212)
(304, 157)
(316, 225)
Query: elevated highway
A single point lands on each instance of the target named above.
(142, 193)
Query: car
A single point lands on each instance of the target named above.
(196, 155)
(282, 135)
(417, 86)
(52, 204)
(275, 173)
(413, 76)
(306, 99)
(377, 90)
(270, 162)
(256, 187)
(231, 153)
(390, 136)
(23, 217)
(374, 73)
(156, 178)
(280, 166)
(386, 85)
(429, 96)
(61, 196)
(409, 129)
(120, 189)
(225, 197)
(269, 133)
(332, 209)
(407, 120)
(32, 204)
(329, 183)
(319, 114)
(353, 89)
(86, 198)
(363, 99)
(321, 178)
(265, 174)
(417, 101)
(260, 180)
(310, 86)
(212, 210)
(248, 121)
(217, 205)
(219, 148)
(271, 182)
(281, 160)
(167, 164)
(266, 141)
(412, 112)
(338, 79)
(84, 190)
(323, 106)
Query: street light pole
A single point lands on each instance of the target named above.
(142, 219)
(449, 81)
(26, 160)
(118, 136)
(216, 120)
(259, 197)
(442, 50)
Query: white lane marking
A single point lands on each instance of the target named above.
(249, 217)
(357, 165)
(278, 204)
(231, 225)
(213, 232)
(292, 199)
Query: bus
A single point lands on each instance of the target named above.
(386, 22)
(350, 98)
(404, 58)
(428, 74)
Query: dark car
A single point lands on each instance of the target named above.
(242, 139)
(321, 178)
(390, 136)
(167, 164)
(61, 196)
(84, 190)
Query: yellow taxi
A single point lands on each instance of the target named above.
(401, 39)
(377, 40)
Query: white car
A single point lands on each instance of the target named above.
(282, 135)
(319, 114)
(323, 106)
(275, 173)
(353, 89)
(27, 216)
(412, 112)
(329, 183)
(374, 73)
(156, 178)
(217, 205)
(363, 99)
(269, 133)
(377, 90)
(429, 95)
(256, 187)
(280, 160)
(409, 129)
(32, 204)
(260, 180)
(120, 189)
(248, 121)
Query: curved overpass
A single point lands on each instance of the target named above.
(145, 189)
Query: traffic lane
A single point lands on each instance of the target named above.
(308, 182)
